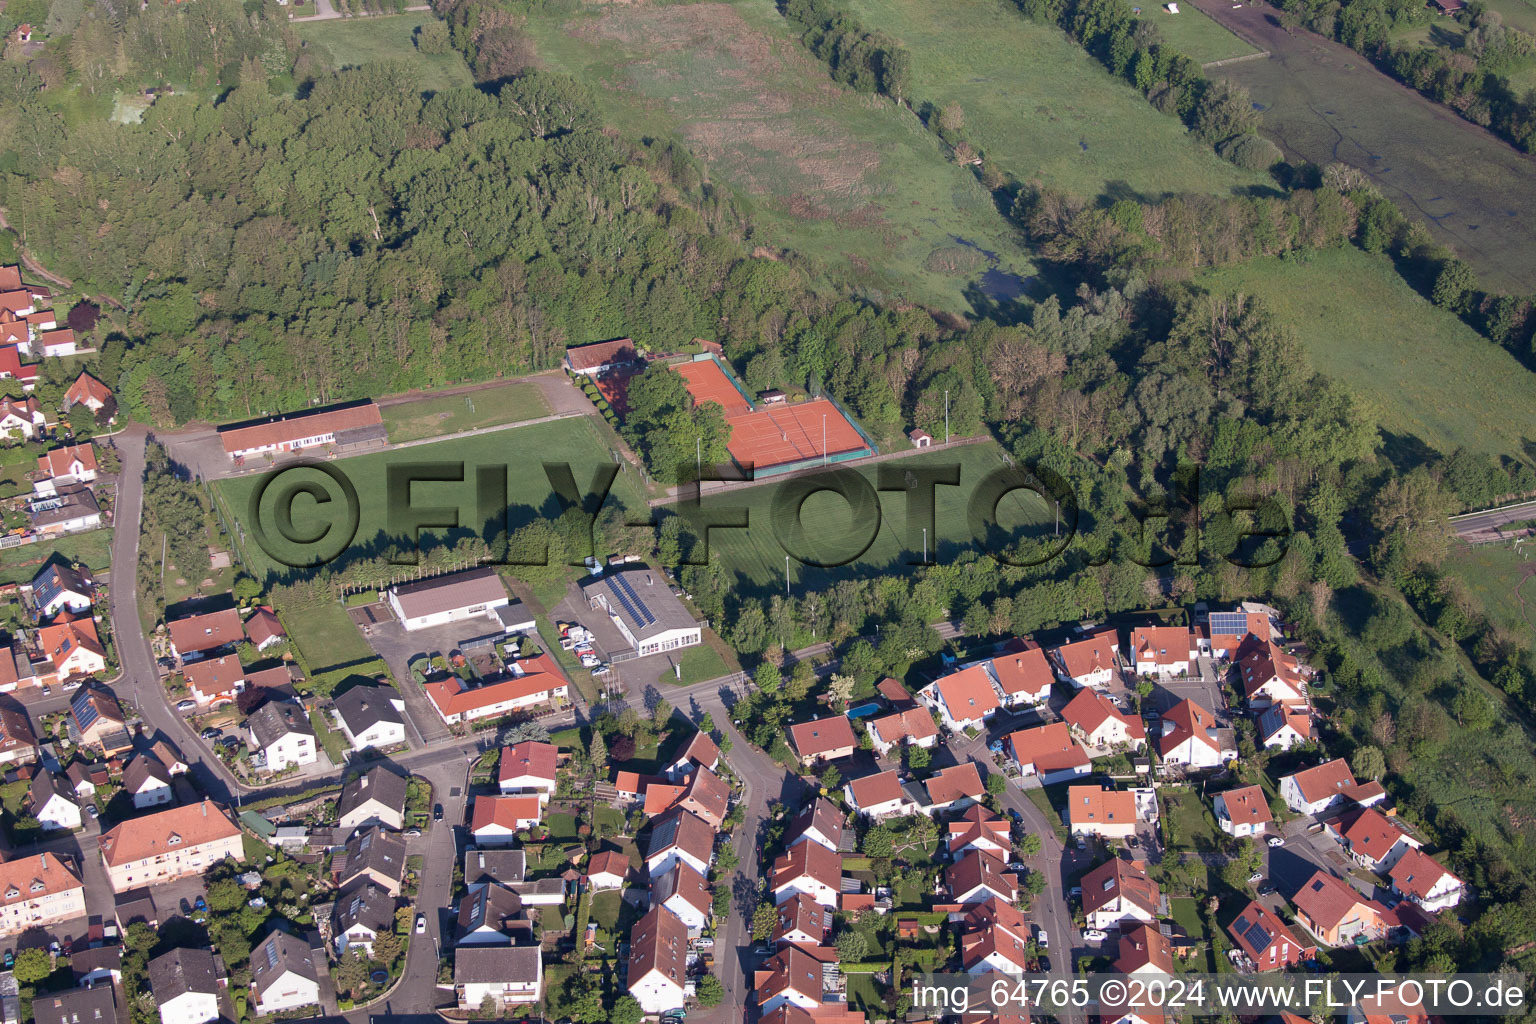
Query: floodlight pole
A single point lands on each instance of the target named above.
(946, 416)
(823, 439)
(925, 545)
(786, 575)
(698, 449)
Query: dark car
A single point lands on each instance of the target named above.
(437, 812)
(200, 905)
(1045, 964)
(211, 734)
(10, 959)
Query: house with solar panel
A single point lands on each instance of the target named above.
(61, 588)
(644, 609)
(97, 720)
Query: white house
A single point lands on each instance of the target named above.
(802, 921)
(371, 716)
(497, 819)
(643, 608)
(1243, 811)
(820, 823)
(994, 937)
(21, 417)
(147, 781)
(658, 953)
(61, 588)
(1419, 877)
(1096, 811)
(963, 699)
(1119, 890)
(376, 797)
(1100, 723)
(455, 597)
(284, 975)
(280, 731)
(683, 891)
(1189, 737)
(1373, 842)
(1318, 789)
(1283, 726)
(1024, 677)
(794, 979)
(808, 869)
(362, 910)
(1089, 662)
(528, 769)
(680, 836)
(1164, 652)
(1049, 751)
(531, 683)
(75, 464)
(979, 876)
(51, 804)
(607, 870)
(910, 726)
(1269, 675)
(879, 796)
(186, 985)
(509, 975)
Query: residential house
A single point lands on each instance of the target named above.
(980, 829)
(371, 716)
(21, 417)
(1049, 751)
(284, 975)
(496, 820)
(879, 796)
(186, 985)
(1266, 940)
(71, 508)
(1336, 913)
(85, 778)
(263, 628)
(607, 870)
(425, 604)
(821, 823)
(196, 635)
(1321, 788)
(679, 836)
(1243, 811)
(1089, 662)
(528, 769)
(169, 756)
(1283, 726)
(822, 739)
(802, 922)
(700, 752)
(37, 891)
(978, 875)
(1225, 632)
(1165, 652)
(790, 977)
(1418, 877)
(362, 910)
(169, 844)
(96, 1005)
(683, 891)
(89, 392)
(994, 937)
(99, 966)
(909, 726)
(807, 869)
(1373, 842)
(350, 425)
(1024, 677)
(213, 682)
(1144, 950)
(50, 803)
(70, 643)
(1096, 719)
(55, 344)
(509, 975)
(1189, 737)
(99, 721)
(75, 464)
(147, 781)
(61, 587)
(376, 797)
(1119, 890)
(963, 699)
(1269, 675)
(1102, 812)
(706, 795)
(492, 915)
(280, 731)
(375, 854)
(531, 682)
(954, 788)
(658, 952)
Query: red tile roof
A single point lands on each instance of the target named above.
(1327, 901)
(1417, 873)
(86, 388)
(299, 425)
(822, 736)
(215, 676)
(1162, 645)
(1188, 720)
(953, 783)
(263, 626)
(57, 462)
(205, 632)
(1121, 878)
(980, 868)
(453, 697)
(1270, 933)
(1369, 833)
(1087, 656)
(1090, 709)
(802, 914)
(529, 758)
(1095, 805)
(1026, 672)
(509, 812)
(1247, 804)
(911, 725)
(1048, 747)
(1141, 946)
(192, 826)
(968, 693)
(807, 860)
(1324, 780)
(877, 789)
(602, 353)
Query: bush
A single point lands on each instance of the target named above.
(1251, 152)
(432, 37)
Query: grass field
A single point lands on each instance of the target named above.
(20, 564)
(832, 530)
(1419, 369)
(1500, 577)
(848, 178)
(1193, 33)
(698, 664)
(357, 41)
(521, 451)
(431, 417)
(1041, 107)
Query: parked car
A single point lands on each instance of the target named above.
(1255, 877)
(199, 904)
(413, 833)
(229, 741)
(1045, 964)
(10, 959)
(1015, 815)
(186, 705)
(90, 810)
(437, 812)
(1076, 890)
(1094, 935)
(73, 684)
(211, 734)
(1043, 940)
(421, 924)
(1267, 890)
(47, 690)
(1275, 841)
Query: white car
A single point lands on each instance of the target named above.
(1094, 935)
(1256, 877)
(1043, 940)
(186, 705)
(1275, 841)
(421, 924)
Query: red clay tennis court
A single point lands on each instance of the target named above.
(708, 383)
(776, 434)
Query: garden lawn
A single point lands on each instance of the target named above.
(333, 742)
(1418, 369)
(1042, 108)
(698, 664)
(451, 414)
(20, 564)
(1185, 911)
(353, 42)
(1194, 827)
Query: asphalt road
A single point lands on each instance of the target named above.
(1476, 527)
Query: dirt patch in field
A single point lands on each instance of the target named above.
(763, 101)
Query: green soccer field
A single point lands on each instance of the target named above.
(522, 450)
(831, 531)
(450, 414)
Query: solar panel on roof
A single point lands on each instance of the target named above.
(84, 709)
(1257, 935)
(272, 954)
(1229, 623)
(645, 615)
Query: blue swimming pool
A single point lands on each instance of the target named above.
(863, 710)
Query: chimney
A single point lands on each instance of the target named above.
(42, 861)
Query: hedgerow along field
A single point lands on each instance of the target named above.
(756, 556)
(523, 450)
(1041, 107)
(1419, 369)
(354, 42)
(847, 178)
